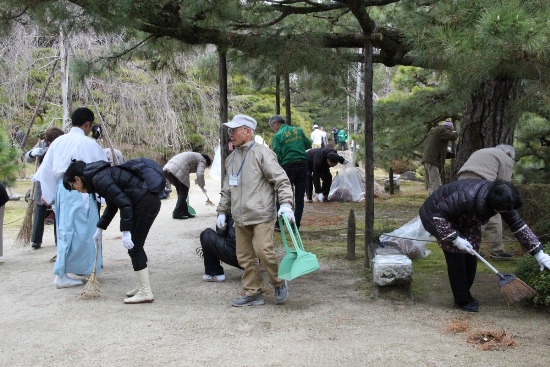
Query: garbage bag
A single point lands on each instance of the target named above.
(216, 167)
(411, 237)
(347, 185)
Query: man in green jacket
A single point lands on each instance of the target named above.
(290, 145)
(343, 139)
(435, 152)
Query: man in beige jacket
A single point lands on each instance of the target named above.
(177, 171)
(490, 164)
(253, 180)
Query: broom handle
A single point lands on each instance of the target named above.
(487, 263)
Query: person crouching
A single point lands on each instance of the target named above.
(138, 209)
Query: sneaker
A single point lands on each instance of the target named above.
(36, 245)
(213, 278)
(309, 201)
(501, 255)
(256, 300)
(281, 293)
(277, 229)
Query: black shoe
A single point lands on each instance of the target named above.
(180, 216)
(36, 246)
(474, 301)
(277, 229)
(468, 306)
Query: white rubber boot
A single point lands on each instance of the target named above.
(132, 292)
(144, 294)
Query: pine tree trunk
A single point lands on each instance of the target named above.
(489, 118)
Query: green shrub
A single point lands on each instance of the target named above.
(529, 271)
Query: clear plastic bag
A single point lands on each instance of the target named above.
(216, 168)
(347, 185)
(411, 237)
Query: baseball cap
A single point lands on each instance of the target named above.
(242, 120)
(315, 126)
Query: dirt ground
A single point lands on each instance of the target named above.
(327, 321)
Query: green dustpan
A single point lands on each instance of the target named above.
(296, 262)
(189, 208)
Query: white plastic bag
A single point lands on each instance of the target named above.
(411, 237)
(216, 168)
(347, 185)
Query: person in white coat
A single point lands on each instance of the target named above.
(76, 213)
(177, 171)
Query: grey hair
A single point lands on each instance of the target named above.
(508, 149)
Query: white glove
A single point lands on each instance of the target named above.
(543, 259)
(37, 152)
(464, 245)
(98, 236)
(287, 211)
(320, 197)
(346, 161)
(220, 221)
(127, 240)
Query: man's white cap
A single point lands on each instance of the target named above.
(242, 120)
(315, 126)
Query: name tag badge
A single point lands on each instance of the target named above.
(233, 180)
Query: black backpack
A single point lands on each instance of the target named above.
(149, 171)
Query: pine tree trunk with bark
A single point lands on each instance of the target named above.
(489, 118)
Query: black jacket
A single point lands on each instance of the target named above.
(319, 169)
(120, 188)
(460, 208)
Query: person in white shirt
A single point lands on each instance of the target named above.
(316, 137)
(76, 213)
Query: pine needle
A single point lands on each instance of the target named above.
(516, 290)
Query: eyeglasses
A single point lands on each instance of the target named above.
(233, 131)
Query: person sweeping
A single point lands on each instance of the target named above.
(138, 205)
(454, 214)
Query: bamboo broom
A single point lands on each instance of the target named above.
(511, 287)
(24, 236)
(91, 289)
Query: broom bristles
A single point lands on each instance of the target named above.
(91, 289)
(516, 290)
(24, 236)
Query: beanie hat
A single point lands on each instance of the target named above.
(448, 124)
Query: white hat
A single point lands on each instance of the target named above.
(315, 126)
(242, 120)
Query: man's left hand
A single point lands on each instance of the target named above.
(287, 211)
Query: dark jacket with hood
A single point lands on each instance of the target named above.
(460, 208)
(120, 189)
(319, 169)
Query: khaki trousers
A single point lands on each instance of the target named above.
(492, 231)
(433, 177)
(256, 242)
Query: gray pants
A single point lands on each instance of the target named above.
(433, 177)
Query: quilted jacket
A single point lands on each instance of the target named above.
(460, 209)
(120, 189)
